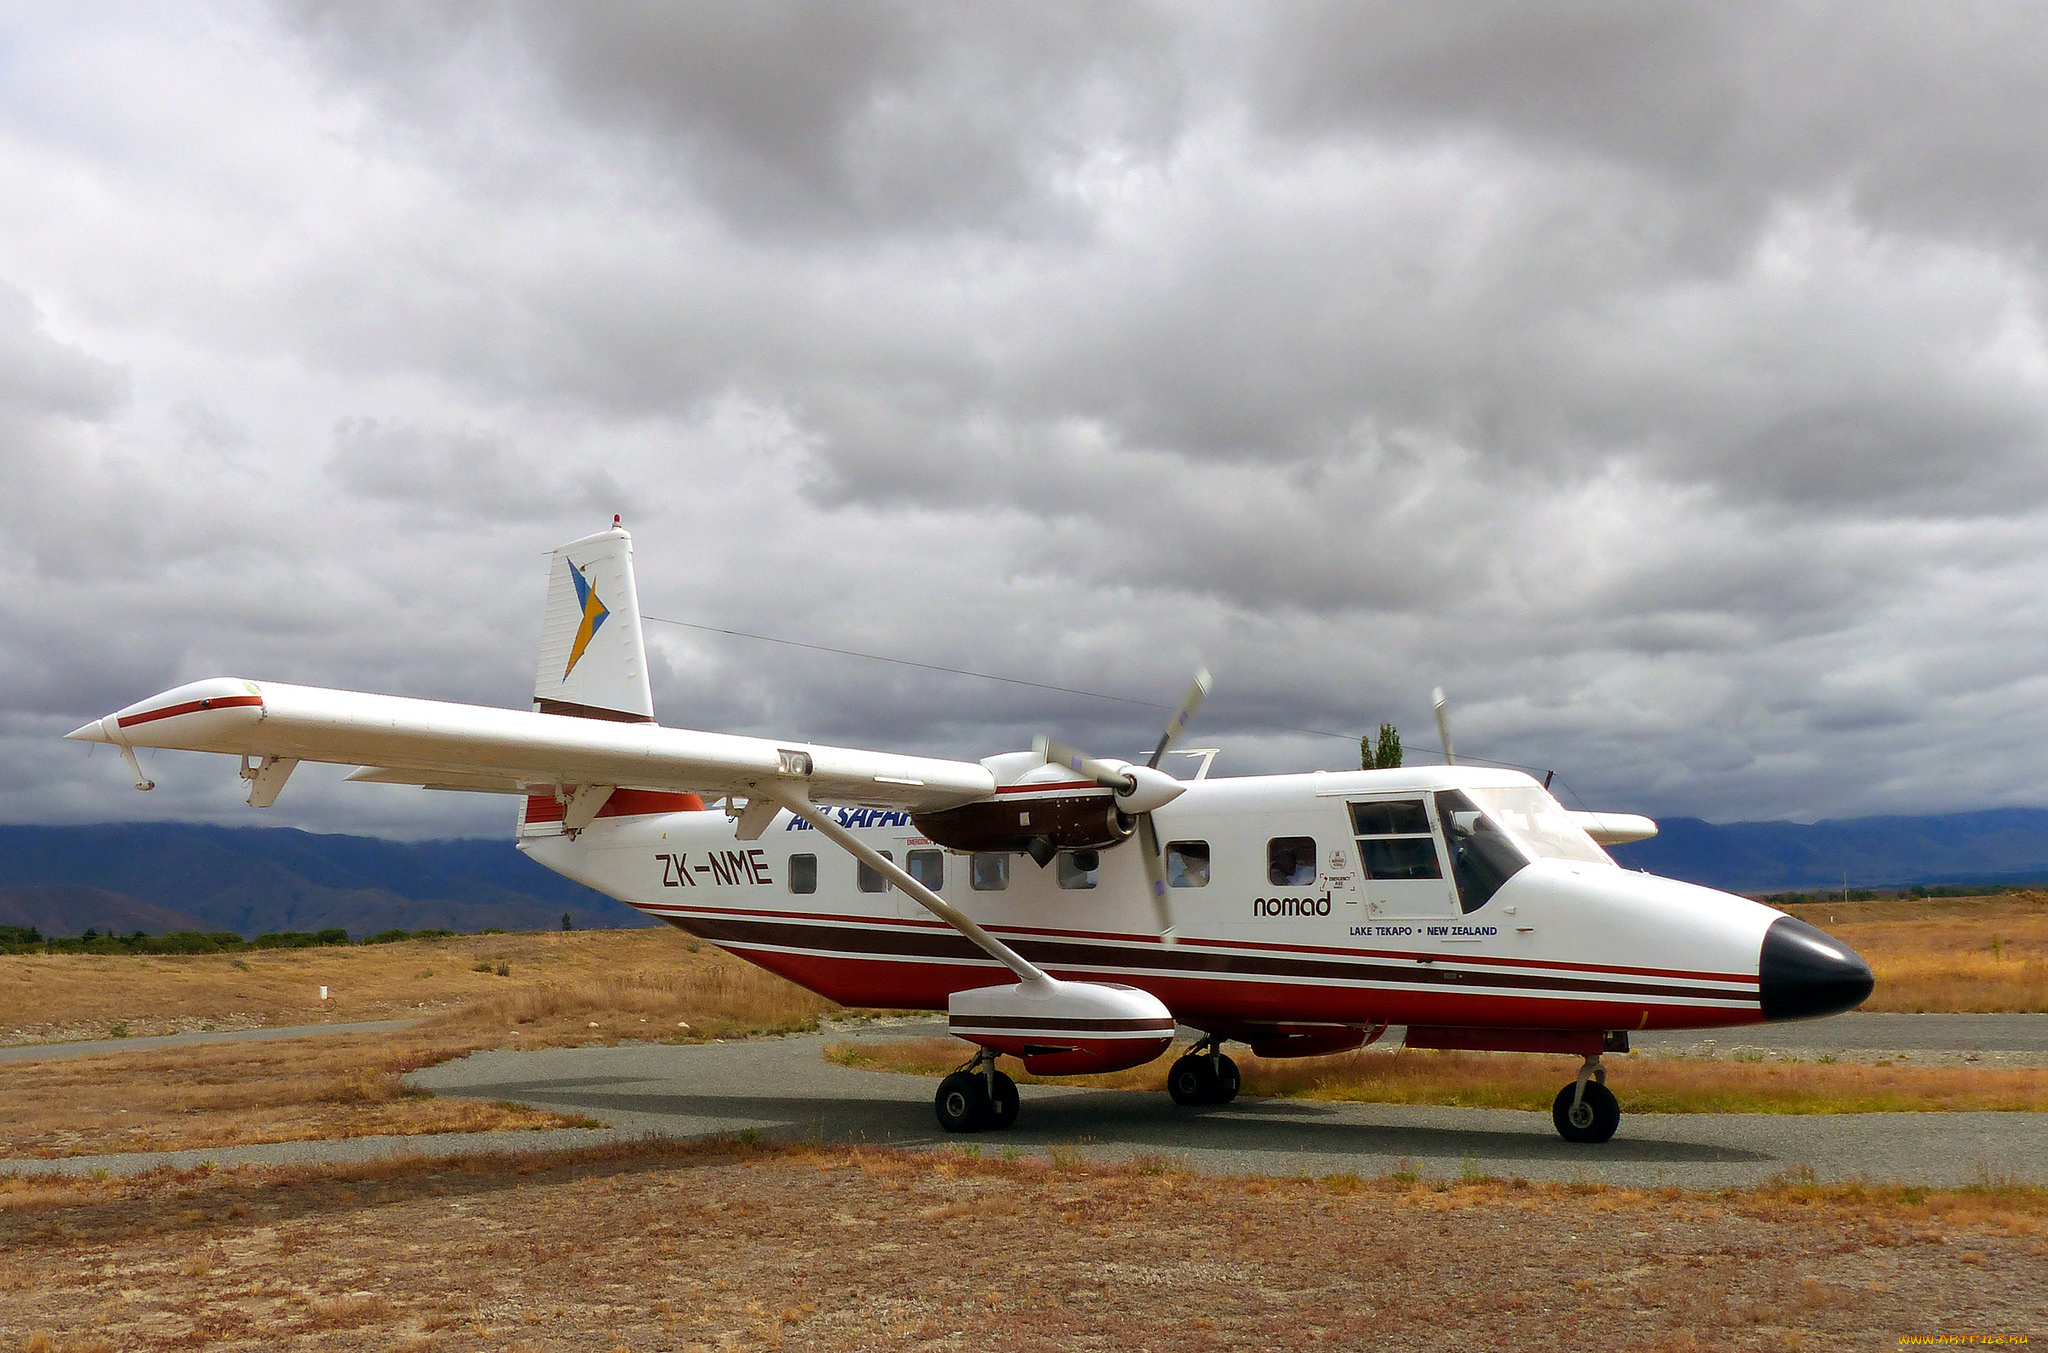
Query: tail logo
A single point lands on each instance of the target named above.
(595, 613)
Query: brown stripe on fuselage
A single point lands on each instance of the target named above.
(899, 943)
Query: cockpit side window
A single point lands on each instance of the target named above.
(1394, 840)
(1483, 857)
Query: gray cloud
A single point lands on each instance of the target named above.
(1669, 383)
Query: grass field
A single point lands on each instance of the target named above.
(555, 985)
(731, 1245)
(1949, 954)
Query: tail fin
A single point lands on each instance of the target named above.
(593, 659)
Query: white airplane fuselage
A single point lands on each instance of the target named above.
(1563, 944)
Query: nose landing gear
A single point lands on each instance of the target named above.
(1586, 1110)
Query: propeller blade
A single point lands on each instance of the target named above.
(1155, 873)
(1443, 725)
(1178, 724)
(1101, 772)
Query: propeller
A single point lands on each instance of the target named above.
(1443, 725)
(1139, 789)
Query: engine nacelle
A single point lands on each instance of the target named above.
(1064, 1028)
(1087, 819)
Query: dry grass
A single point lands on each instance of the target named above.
(1487, 1080)
(614, 972)
(562, 990)
(1948, 954)
(731, 1245)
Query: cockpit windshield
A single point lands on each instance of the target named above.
(1539, 824)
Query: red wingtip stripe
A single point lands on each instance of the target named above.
(192, 707)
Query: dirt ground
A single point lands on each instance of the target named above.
(729, 1246)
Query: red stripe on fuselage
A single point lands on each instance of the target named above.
(622, 803)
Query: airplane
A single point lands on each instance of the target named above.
(1065, 910)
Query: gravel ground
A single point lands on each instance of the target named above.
(844, 1250)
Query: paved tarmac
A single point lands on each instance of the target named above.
(784, 1089)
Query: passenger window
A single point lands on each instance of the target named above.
(929, 868)
(803, 873)
(871, 880)
(1403, 817)
(1187, 864)
(988, 871)
(1291, 861)
(1079, 868)
(1401, 857)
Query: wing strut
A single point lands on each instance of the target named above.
(929, 900)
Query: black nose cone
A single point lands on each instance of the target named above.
(1804, 972)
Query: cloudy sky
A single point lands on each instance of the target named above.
(1668, 382)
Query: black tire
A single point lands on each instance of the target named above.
(962, 1102)
(1192, 1082)
(1003, 1103)
(1227, 1080)
(1598, 1116)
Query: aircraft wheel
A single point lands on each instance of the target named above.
(1594, 1120)
(962, 1103)
(1003, 1103)
(1226, 1080)
(1192, 1082)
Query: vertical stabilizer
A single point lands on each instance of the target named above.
(593, 660)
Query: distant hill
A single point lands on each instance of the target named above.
(2000, 845)
(64, 909)
(255, 879)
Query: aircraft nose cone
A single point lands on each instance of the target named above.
(1804, 972)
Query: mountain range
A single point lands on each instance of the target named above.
(1999, 845)
(160, 876)
(256, 879)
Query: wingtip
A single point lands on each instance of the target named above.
(92, 732)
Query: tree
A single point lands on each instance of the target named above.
(565, 921)
(1387, 755)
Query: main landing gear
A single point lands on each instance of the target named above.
(976, 1097)
(1586, 1110)
(1203, 1076)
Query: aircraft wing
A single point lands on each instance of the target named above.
(475, 747)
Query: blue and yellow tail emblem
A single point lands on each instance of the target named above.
(595, 613)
